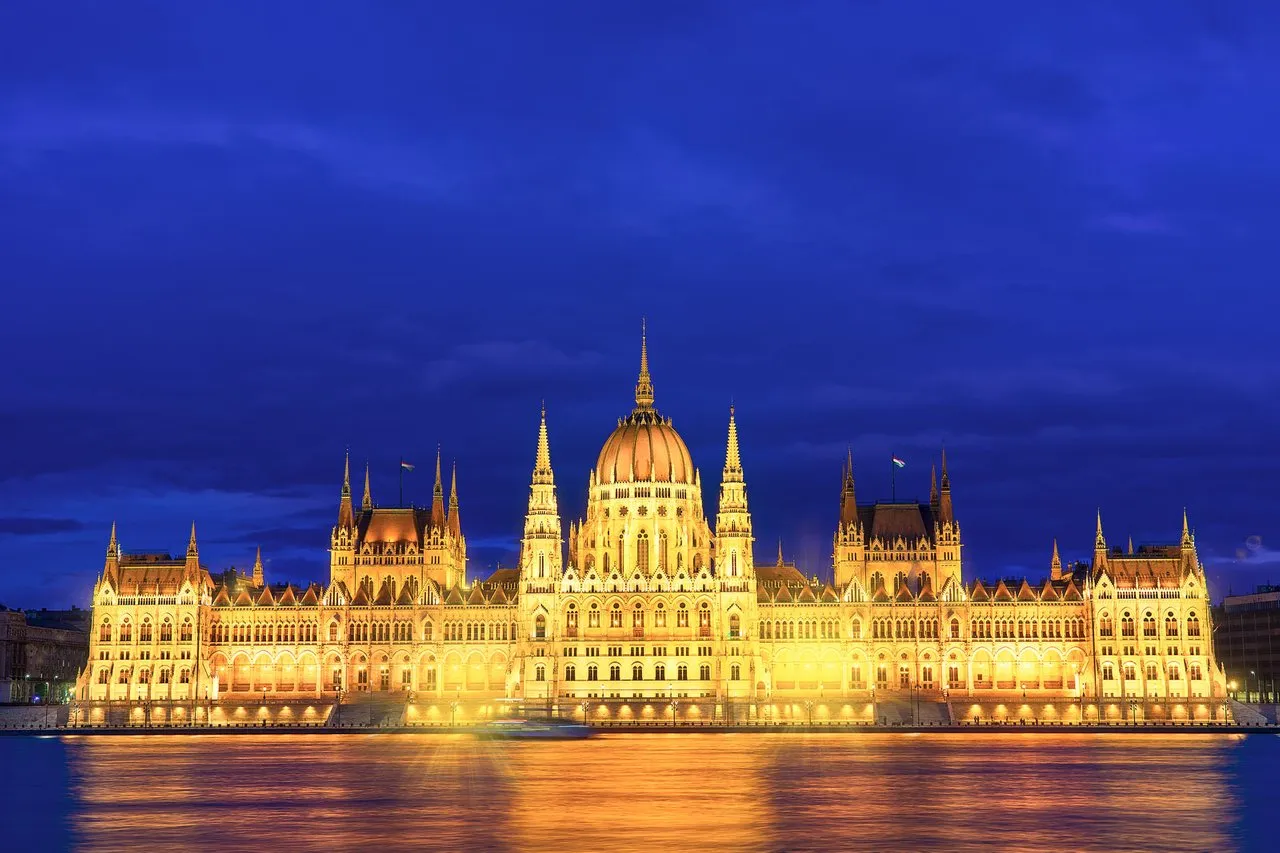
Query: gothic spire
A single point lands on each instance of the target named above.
(1130, 543)
(367, 501)
(455, 522)
(848, 495)
(933, 485)
(946, 478)
(542, 474)
(1187, 539)
(113, 547)
(192, 551)
(1055, 564)
(437, 496)
(944, 495)
(1099, 543)
(779, 550)
(644, 385)
(732, 457)
(346, 517)
(258, 577)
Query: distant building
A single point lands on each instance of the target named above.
(41, 653)
(1247, 637)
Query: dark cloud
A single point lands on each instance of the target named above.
(37, 526)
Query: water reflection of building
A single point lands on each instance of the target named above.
(41, 653)
(649, 609)
(1247, 640)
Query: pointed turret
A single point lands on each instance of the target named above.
(540, 554)
(346, 516)
(644, 385)
(848, 495)
(454, 521)
(1055, 563)
(733, 519)
(933, 486)
(1188, 541)
(1190, 560)
(258, 577)
(542, 473)
(1099, 545)
(944, 495)
(367, 501)
(437, 497)
(1130, 551)
(779, 550)
(113, 553)
(193, 552)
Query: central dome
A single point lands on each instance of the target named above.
(645, 448)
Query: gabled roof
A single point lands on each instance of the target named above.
(806, 595)
(926, 593)
(1048, 592)
(454, 596)
(383, 599)
(979, 591)
(828, 593)
(476, 596)
(311, 596)
(904, 594)
(265, 596)
(406, 595)
(242, 598)
(360, 599)
(783, 593)
(1070, 593)
(222, 598)
(1025, 592)
(498, 597)
(880, 593)
(889, 521)
(1002, 592)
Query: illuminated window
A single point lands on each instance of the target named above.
(1193, 625)
(637, 672)
(593, 672)
(735, 627)
(642, 551)
(682, 616)
(1126, 625)
(615, 672)
(540, 629)
(104, 631)
(855, 629)
(682, 673)
(660, 616)
(615, 616)
(955, 629)
(593, 616)
(660, 671)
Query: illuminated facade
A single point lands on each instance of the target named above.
(649, 610)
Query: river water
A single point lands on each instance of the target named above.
(651, 792)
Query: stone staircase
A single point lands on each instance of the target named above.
(902, 711)
(369, 711)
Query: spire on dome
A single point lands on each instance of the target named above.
(542, 473)
(258, 578)
(732, 457)
(437, 496)
(644, 385)
(367, 501)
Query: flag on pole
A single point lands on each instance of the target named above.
(406, 466)
(898, 463)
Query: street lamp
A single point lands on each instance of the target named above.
(671, 700)
(1247, 694)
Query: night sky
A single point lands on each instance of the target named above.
(235, 241)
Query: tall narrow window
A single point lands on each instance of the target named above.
(642, 551)
(542, 565)
(664, 556)
(733, 563)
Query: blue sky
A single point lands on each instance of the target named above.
(235, 241)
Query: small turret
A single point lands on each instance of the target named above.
(1055, 563)
(848, 494)
(455, 520)
(944, 496)
(1099, 545)
(259, 579)
(193, 552)
(346, 516)
(367, 501)
(437, 497)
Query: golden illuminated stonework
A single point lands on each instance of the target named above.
(647, 612)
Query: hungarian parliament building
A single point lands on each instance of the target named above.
(649, 610)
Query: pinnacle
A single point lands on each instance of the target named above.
(644, 385)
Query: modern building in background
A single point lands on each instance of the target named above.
(650, 608)
(41, 653)
(1247, 638)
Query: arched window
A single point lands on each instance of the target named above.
(660, 615)
(570, 672)
(682, 673)
(637, 672)
(735, 627)
(571, 620)
(1106, 628)
(126, 631)
(1193, 625)
(184, 633)
(659, 671)
(615, 616)
(540, 673)
(877, 580)
(955, 629)
(855, 629)
(542, 565)
(704, 619)
(166, 631)
(615, 672)
(593, 616)
(1126, 625)
(593, 672)
(104, 631)
(704, 672)
(1171, 624)
(735, 673)
(664, 556)
(1148, 624)
(682, 616)
(540, 629)
(642, 551)
(637, 618)
(733, 563)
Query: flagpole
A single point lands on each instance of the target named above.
(401, 481)
(893, 479)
